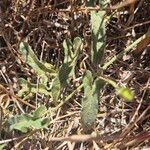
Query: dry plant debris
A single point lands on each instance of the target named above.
(44, 25)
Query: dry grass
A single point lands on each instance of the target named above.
(120, 124)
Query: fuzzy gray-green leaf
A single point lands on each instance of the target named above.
(98, 36)
(31, 59)
(87, 82)
(39, 112)
(77, 44)
(90, 101)
(67, 44)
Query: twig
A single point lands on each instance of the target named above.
(17, 138)
(67, 98)
(134, 118)
(125, 51)
(83, 9)
(123, 4)
(79, 138)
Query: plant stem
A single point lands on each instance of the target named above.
(125, 51)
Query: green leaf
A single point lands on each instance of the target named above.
(65, 73)
(90, 101)
(39, 112)
(27, 88)
(55, 90)
(61, 81)
(26, 122)
(104, 3)
(98, 36)
(39, 123)
(19, 118)
(21, 126)
(125, 93)
(89, 112)
(98, 85)
(31, 59)
(77, 46)
(2, 146)
(25, 125)
(67, 69)
(71, 54)
(67, 44)
(77, 42)
(87, 82)
(20, 122)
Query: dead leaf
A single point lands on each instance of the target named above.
(4, 97)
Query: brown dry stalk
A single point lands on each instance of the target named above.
(77, 138)
(123, 4)
(84, 9)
